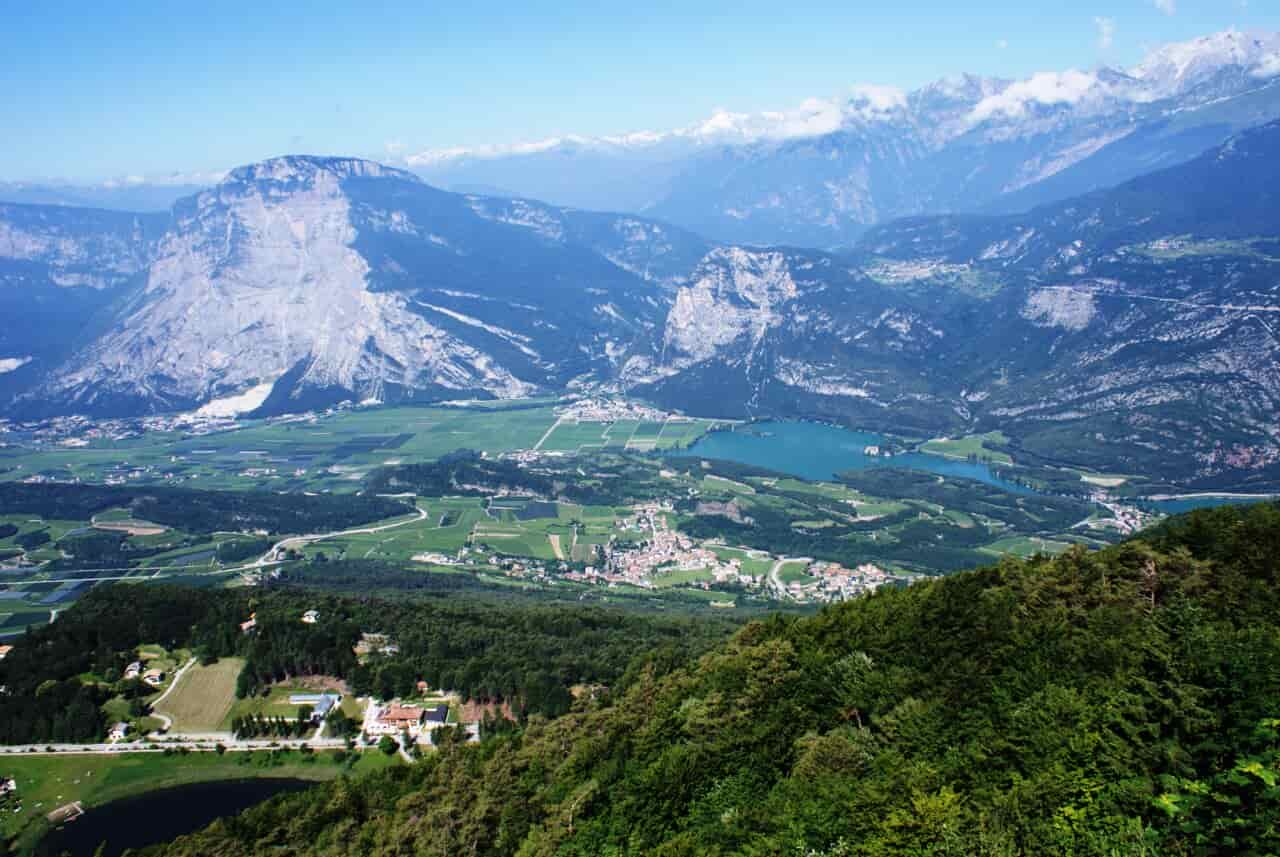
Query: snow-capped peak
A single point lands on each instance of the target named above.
(1167, 72)
(1178, 67)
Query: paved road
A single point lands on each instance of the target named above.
(296, 541)
(190, 742)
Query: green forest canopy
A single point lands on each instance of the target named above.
(1124, 702)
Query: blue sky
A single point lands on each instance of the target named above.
(109, 89)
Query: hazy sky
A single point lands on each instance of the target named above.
(96, 90)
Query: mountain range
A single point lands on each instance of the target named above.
(1132, 329)
(820, 175)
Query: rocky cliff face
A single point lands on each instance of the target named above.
(258, 276)
(306, 279)
(76, 246)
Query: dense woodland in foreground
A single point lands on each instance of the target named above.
(527, 654)
(1124, 702)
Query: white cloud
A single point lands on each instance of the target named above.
(1269, 67)
(1046, 87)
(1169, 7)
(811, 118)
(1106, 32)
(879, 98)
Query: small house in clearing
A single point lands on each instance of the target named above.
(321, 703)
(249, 624)
(119, 732)
(155, 678)
(133, 671)
(437, 716)
(311, 617)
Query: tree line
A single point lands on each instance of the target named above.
(200, 511)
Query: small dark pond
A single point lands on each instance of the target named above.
(162, 815)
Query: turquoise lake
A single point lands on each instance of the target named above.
(818, 452)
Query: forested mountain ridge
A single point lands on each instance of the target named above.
(1118, 702)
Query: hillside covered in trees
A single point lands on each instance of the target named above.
(1124, 702)
(527, 654)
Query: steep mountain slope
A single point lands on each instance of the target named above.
(1134, 329)
(1120, 702)
(820, 175)
(306, 280)
(1156, 307)
(58, 268)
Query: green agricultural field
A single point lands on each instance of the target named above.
(719, 483)
(203, 696)
(330, 452)
(970, 445)
(1025, 546)
(620, 432)
(849, 499)
(678, 433)
(570, 436)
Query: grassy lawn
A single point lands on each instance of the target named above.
(204, 696)
(274, 704)
(792, 572)
(664, 580)
(749, 564)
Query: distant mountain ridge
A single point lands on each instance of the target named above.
(1132, 330)
(820, 175)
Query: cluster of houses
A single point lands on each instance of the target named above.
(830, 581)
(666, 550)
